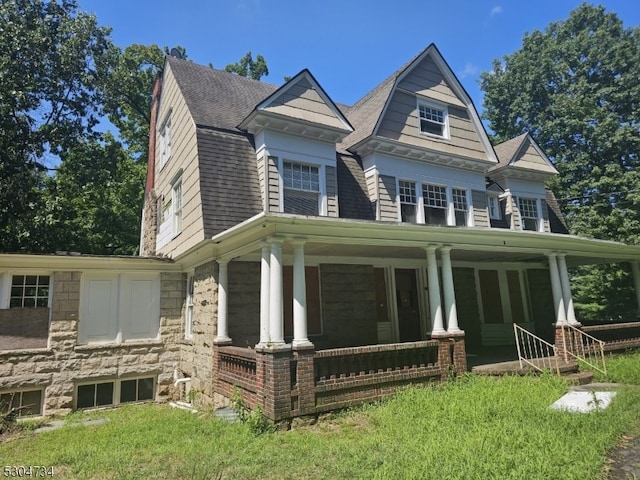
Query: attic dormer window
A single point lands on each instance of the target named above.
(433, 119)
(301, 184)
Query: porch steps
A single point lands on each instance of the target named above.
(579, 378)
(513, 368)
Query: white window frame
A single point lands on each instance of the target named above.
(467, 211)
(188, 308)
(117, 389)
(426, 200)
(177, 197)
(534, 203)
(165, 141)
(323, 206)
(440, 109)
(6, 281)
(402, 186)
(496, 214)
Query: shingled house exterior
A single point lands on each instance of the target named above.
(333, 253)
(312, 255)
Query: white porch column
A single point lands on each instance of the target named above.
(222, 335)
(299, 297)
(556, 288)
(265, 283)
(434, 291)
(566, 289)
(635, 269)
(276, 320)
(449, 292)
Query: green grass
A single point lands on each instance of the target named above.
(622, 368)
(476, 427)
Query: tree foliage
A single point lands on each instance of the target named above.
(576, 88)
(48, 98)
(248, 67)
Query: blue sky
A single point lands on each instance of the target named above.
(349, 45)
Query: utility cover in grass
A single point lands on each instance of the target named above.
(583, 402)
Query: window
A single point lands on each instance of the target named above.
(176, 200)
(407, 191)
(29, 291)
(493, 205)
(165, 142)
(188, 314)
(460, 206)
(119, 308)
(114, 392)
(301, 184)
(528, 213)
(136, 390)
(433, 120)
(435, 204)
(29, 402)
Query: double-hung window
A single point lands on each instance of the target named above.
(529, 213)
(435, 204)
(433, 119)
(408, 201)
(460, 206)
(301, 184)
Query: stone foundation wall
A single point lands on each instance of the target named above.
(64, 364)
(150, 227)
(196, 355)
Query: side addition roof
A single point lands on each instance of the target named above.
(522, 152)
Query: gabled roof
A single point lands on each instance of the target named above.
(510, 154)
(217, 98)
(302, 98)
(367, 113)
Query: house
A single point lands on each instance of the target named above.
(310, 254)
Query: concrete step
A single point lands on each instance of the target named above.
(579, 378)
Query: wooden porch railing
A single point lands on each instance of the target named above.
(617, 336)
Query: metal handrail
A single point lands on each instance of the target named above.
(588, 350)
(534, 351)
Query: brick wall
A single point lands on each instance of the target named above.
(65, 363)
(348, 306)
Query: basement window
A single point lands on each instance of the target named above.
(115, 392)
(28, 402)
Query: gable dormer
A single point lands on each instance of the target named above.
(295, 131)
(422, 113)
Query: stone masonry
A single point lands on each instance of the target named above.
(60, 366)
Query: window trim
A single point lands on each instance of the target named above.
(415, 203)
(439, 108)
(537, 218)
(176, 212)
(165, 134)
(323, 205)
(117, 390)
(189, 306)
(6, 280)
(466, 210)
(446, 208)
(21, 391)
(498, 213)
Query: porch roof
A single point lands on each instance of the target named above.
(338, 237)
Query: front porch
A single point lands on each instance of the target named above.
(317, 314)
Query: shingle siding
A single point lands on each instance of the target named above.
(332, 192)
(480, 214)
(227, 161)
(273, 185)
(388, 207)
(352, 190)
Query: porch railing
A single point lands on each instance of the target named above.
(617, 336)
(237, 366)
(354, 362)
(583, 347)
(534, 351)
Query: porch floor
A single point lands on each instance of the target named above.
(477, 356)
(513, 368)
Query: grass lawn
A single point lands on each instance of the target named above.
(475, 427)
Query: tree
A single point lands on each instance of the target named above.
(248, 67)
(48, 99)
(576, 89)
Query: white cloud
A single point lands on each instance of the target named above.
(470, 70)
(495, 10)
